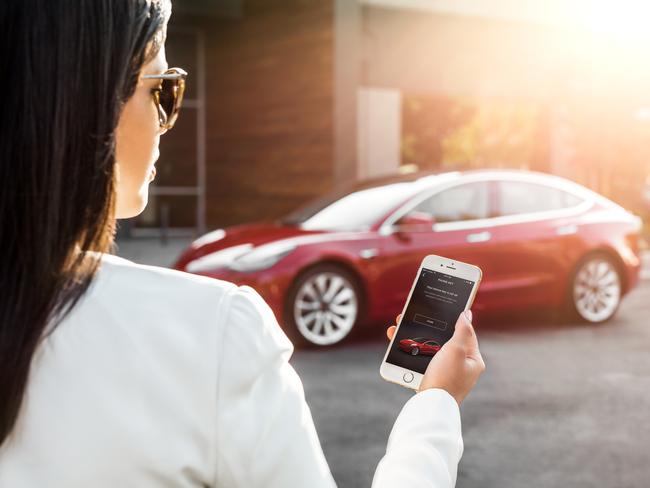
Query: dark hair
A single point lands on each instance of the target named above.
(66, 69)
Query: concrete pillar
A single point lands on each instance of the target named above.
(347, 56)
(379, 131)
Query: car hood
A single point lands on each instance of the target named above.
(256, 234)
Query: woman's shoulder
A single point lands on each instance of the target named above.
(138, 290)
(140, 297)
(123, 279)
(152, 300)
(137, 303)
(118, 269)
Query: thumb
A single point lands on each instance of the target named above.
(464, 334)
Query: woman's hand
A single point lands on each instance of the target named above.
(458, 364)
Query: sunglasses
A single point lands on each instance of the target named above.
(169, 96)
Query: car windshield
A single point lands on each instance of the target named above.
(356, 208)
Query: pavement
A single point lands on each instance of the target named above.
(153, 251)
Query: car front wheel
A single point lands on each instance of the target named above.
(414, 351)
(324, 305)
(596, 289)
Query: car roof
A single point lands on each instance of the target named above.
(426, 180)
(428, 177)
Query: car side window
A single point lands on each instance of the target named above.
(463, 202)
(571, 200)
(519, 197)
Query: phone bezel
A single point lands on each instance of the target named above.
(394, 373)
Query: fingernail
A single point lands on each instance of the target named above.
(468, 315)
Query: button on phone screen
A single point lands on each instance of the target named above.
(437, 301)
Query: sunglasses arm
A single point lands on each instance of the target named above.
(171, 76)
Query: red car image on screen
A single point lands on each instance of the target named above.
(419, 345)
(347, 259)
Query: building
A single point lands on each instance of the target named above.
(288, 99)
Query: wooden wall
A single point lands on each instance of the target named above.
(269, 108)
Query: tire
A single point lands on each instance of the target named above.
(415, 351)
(595, 289)
(323, 306)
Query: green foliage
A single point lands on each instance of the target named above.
(451, 134)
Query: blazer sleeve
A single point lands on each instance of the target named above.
(425, 445)
(265, 435)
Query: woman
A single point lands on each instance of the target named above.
(116, 374)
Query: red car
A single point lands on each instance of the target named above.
(349, 258)
(419, 345)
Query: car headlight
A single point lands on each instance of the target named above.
(262, 257)
(218, 259)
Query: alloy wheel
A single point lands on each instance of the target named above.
(326, 307)
(596, 290)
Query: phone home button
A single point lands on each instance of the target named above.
(408, 377)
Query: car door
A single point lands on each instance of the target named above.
(462, 231)
(534, 234)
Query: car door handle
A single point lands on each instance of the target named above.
(479, 237)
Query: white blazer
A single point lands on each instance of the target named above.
(164, 379)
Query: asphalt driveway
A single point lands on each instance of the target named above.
(559, 405)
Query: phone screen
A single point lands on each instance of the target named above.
(429, 320)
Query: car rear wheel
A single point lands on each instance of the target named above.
(414, 351)
(324, 305)
(596, 289)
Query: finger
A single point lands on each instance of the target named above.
(390, 332)
(399, 317)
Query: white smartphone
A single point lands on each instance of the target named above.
(442, 290)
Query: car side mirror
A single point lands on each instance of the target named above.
(415, 222)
